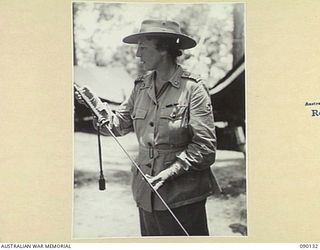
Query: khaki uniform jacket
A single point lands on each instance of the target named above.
(176, 126)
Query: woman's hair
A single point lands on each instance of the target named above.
(169, 44)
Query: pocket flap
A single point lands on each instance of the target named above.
(173, 113)
(139, 114)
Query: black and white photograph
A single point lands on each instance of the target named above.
(159, 120)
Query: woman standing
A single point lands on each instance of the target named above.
(170, 111)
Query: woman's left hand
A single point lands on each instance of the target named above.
(158, 180)
(173, 171)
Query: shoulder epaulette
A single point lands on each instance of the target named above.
(191, 76)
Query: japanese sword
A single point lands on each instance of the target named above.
(103, 122)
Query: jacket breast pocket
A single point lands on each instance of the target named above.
(138, 116)
(174, 122)
(176, 116)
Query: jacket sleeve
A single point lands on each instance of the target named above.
(121, 121)
(201, 151)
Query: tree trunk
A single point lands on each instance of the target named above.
(74, 12)
(238, 33)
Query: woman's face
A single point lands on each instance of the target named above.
(149, 55)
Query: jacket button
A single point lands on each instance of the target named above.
(151, 124)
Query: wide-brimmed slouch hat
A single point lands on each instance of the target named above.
(161, 28)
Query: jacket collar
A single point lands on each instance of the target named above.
(174, 80)
(176, 77)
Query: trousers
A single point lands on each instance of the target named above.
(193, 217)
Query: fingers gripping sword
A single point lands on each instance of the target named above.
(104, 122)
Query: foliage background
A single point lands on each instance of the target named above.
(100, 27)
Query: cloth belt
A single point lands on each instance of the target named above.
(154, 151)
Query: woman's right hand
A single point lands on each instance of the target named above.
(79, 98)
(90, 97)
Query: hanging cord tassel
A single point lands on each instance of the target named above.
(102, 181)
(103, 122)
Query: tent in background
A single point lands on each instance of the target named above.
(228, 98)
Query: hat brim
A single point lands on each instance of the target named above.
(186, 42)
